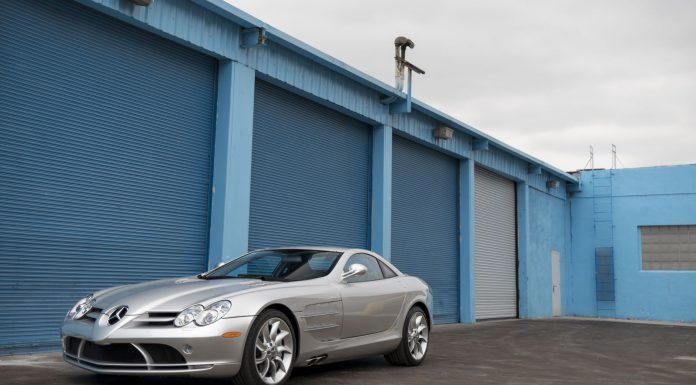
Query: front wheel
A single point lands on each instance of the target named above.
(269, 352)
(414, 340)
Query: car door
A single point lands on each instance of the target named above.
(371, 302)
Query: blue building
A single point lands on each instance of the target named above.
(141, 142)
(634, 244)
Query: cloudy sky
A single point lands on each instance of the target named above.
(550, 77)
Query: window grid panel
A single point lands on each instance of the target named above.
(668, 247)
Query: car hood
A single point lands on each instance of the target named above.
(174, 295)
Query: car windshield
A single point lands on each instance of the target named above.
(278, 265)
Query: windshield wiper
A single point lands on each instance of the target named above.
(261, 277)
(273, 279)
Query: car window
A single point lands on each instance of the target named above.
(386, 270)
(279, 265)
(262, 266)
(374, 272)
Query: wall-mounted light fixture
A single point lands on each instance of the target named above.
(142, 3)
(253, 37)
(443, 132)
(552, 183)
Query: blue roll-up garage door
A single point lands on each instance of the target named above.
(425, 221)
(105, 141)
(310, 173)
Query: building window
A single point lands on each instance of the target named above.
(668, 247)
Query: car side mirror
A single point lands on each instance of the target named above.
(355, 269)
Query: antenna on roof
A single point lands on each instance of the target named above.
(615, 158)
(591, 160)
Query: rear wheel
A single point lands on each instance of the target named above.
(269, 352)
(414, 340)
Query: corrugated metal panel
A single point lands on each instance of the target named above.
(425, 224)
(495, 246)
(420, 127)
(213, 25)
(279, 63)
(310, 176)
(104, 161)
(183, 21)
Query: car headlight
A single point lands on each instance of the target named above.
(213, 313)
(187, 316)
(81, 308)
(203, 315)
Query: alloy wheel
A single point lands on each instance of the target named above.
(274, 351)
(417, 335)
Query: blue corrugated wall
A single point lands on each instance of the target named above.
(310, 175)
(311, 106)
(105, 144)
(425, 222)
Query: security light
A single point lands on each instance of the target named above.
(552, 183)
(443, 133)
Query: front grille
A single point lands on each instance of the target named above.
(158, 318)
(125, 356)
(163, 354)
(116, 353)
(72, 345)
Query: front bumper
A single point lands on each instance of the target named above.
(158, 350)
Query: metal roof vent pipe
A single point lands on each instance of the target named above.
(400, 45)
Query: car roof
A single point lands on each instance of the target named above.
(318, 248)
(338, 250)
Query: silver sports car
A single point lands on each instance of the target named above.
(255, 318)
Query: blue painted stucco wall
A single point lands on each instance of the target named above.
(641, 196)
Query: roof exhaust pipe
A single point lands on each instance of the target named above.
(401, 43)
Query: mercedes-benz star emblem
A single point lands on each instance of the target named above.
(117, 314)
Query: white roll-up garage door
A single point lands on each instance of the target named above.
(495, 246)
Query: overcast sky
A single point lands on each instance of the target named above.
(550, 77)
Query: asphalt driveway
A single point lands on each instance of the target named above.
(506, 352)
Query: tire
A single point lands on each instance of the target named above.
(278, 357)
(415, 331)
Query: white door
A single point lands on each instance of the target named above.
(556, 282)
